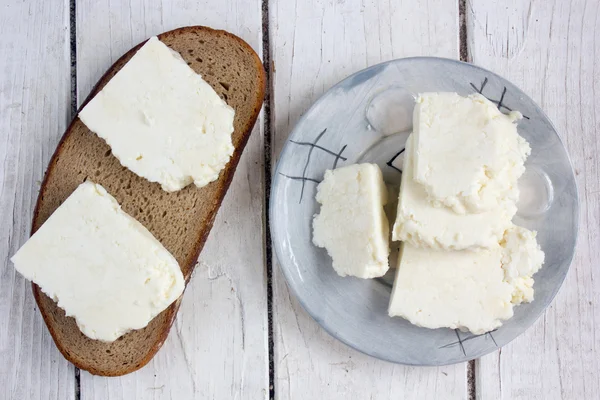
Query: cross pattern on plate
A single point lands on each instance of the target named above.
(313, 145)
(390, 163)
(461, 341)
(499, 103)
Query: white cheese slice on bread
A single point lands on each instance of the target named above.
(352, 224)
(100, 265)
(162, 120)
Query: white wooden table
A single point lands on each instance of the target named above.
(239, 333)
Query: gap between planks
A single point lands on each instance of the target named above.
(266, 54)
(464, 57)
(462, 31)
(73, 56)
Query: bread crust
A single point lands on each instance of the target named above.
(129, 354)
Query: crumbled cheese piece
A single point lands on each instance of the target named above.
(522, 257)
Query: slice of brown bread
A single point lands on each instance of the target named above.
(181, 220)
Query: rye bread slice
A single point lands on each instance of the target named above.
(181, 220)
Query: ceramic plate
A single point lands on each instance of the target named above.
(367, 118)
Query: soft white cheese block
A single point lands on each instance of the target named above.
(467, 154)
(352, 224)
(422, 224)
(467, 290)
(521, 258)
(162, 120)
(451, 289)
(100, 265)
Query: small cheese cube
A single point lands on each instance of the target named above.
(352, 225)
(100, 265)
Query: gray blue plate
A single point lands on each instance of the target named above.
(366, 118)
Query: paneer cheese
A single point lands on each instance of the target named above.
(162, 120)
(467, 154)
(100, 265)
(521, 258)
(466, 290)
(463, 264)
(352, 225)
(451, 289)
(422, 224)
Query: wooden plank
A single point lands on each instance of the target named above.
(550, 50)
(314, 45)
(217, 347)
(34, 110)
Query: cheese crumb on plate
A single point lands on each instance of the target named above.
(522, 257)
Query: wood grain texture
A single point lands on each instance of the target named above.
(217, 347)
(314, 45)
(552, 51)
(34, 108)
